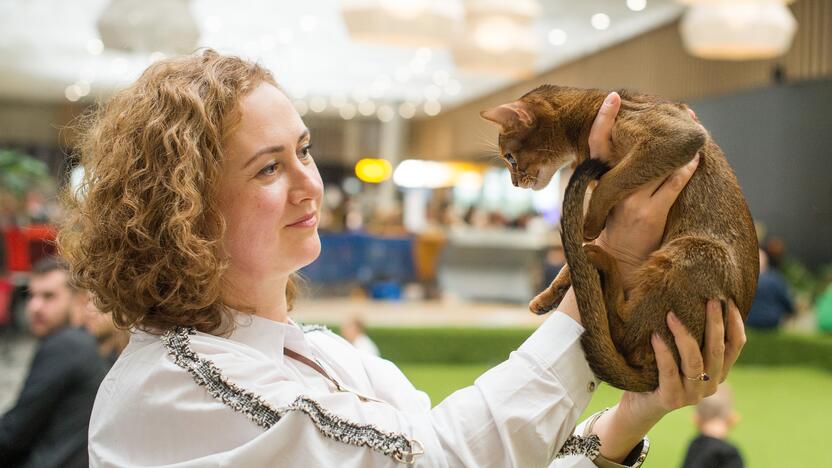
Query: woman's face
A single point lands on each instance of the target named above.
(270, 190)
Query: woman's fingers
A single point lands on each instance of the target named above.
(693, 114)
(735, 339)
(600, 144)
(660, 194)
(670, 385)
(714, 345)
(690, 356)
(669, 189)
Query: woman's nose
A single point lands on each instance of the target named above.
(306, 183)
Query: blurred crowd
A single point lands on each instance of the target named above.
(77, 345)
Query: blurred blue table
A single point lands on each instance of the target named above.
(362, 258)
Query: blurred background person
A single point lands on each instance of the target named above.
(552, 264)
(47, 426)
(714, 419)
(772, 302)
(111, 340)
(823, 306)
(353, 330)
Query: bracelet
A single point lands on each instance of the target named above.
(591, 424)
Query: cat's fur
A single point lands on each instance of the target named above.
(709, 248)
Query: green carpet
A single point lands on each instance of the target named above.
(786, 413)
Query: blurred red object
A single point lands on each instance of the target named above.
(41, 241)
(6, 288)
(17, 249)
(25, 246)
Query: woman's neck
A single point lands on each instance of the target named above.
(264, 298)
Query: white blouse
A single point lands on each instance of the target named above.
(151, 410)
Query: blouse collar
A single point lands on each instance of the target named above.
(268, 336)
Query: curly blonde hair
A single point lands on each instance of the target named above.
(144, 231)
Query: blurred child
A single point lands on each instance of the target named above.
(714, 417)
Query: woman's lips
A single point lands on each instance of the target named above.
(307, 221)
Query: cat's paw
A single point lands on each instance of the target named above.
(593, 228)
(540, 305)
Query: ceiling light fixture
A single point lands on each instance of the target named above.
(499, 38)
(402, 22)
(739, 30)
(149, 26)
(600, 21)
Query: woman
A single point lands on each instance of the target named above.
(200, 202)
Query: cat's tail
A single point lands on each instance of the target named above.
(604, 358)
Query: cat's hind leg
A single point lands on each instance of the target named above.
(550, 297)
(611, 286)
(680, 277)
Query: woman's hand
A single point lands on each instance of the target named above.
(621, 428)
(635, 225)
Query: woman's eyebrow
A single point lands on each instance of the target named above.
(266, 150)
(274, 149)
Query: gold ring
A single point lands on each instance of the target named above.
(703, 377)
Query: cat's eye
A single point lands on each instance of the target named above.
(510, 159)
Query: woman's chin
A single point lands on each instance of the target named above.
(307, 251)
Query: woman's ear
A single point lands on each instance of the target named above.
(510, 117)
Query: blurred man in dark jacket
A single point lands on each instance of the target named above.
(47, 427)
(771, 302)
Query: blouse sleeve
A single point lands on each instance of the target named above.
(517, 414)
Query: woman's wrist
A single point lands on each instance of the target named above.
(569, 306)
(620, 430)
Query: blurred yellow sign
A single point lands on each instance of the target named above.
(372, 170)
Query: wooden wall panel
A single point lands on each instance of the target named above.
(654, 62)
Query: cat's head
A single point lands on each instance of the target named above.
(529, 146)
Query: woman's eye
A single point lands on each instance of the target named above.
(306, 152)
(268, 170)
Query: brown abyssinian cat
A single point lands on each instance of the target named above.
(709, 248)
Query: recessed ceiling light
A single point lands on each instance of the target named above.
(347, 111)
(367, 108)
(600, 21)
(72, 93)
(407, 110)
(557, 37)
(337, 100)
(317, 104)
(83, 88)
(385, 113)
(636, 5)
(432, 108)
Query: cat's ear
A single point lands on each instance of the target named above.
(510, 117)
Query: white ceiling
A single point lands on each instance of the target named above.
(43, 48)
